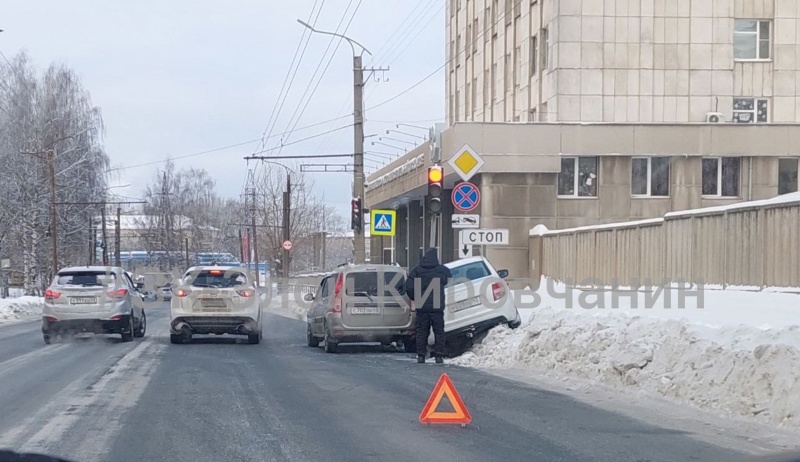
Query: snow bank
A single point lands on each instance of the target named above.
(12, 309)
(739, 355)
(286, 307)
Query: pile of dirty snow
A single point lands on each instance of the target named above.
(721, 357)
(12, 309)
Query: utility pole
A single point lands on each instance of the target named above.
(255, 241)
(117, 243)
(186, 250)
(358, 153)
(241, 246)
(51, 166)
(92, 241)
(105, 235)
(287, 210)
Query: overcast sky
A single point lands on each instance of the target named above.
(177, 77)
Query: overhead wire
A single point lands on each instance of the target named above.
(327, 65)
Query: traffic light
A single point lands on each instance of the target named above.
(356, 215)
(435, 188)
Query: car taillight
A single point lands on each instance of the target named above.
(337, 294)
(51, 319)
(50, 294)
(498, 291)
(182, 293)
(119, 293)
(116, 318)
(411, 306)
(245, 293)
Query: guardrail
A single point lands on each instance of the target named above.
(750, 245)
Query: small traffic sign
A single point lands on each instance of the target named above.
(464, 251)
(465, 220)
(382, 222)
(287, 245)
(466, 162)
(484, 237)
(459, 415)
(466, 197)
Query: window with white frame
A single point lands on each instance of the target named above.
(751, 39)
(787, 174)
(534, 54)
(650, 176)
(750, 110)
(721, 177)
(578, 177)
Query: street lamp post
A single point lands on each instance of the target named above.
(358, 135)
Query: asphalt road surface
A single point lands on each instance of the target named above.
(97, 399)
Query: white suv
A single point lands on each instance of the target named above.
(215, 300)
(478, 298)
(97, 299)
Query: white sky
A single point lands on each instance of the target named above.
(176, 77)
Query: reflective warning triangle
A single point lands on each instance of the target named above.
(459, 415)
(383, 224)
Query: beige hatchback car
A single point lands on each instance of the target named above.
(361, 303)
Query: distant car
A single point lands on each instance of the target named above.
(215, 300)
(165, 293)
(94, 299)
(352, 305)
(472, 312)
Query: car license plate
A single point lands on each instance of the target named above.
(213, 303)
(82, 300)
(365, 310)
(464, 304)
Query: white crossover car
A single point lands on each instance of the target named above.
(478, 299)
(215, 300)
(97, 299)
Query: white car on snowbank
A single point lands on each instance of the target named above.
(478, 299)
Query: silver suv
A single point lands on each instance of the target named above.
(361, 303)
(96, 299)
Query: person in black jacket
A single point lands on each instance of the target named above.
(425, 285)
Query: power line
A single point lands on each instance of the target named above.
(327, 65)
(300, 156)
(458, 53)
(276, 110)
(279, 148)
(223, 148)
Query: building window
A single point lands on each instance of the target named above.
(486, 81)
(474, 95)
(518, 70)
(509, 73)
(487, 22)
(517, 8)
(721, 176)
(467, 94)
(497, 16)
(751, 39)
(534, 54)
(532, 115)
(578, 177)
(650, 176)
(787, 175)
(546, 49)
(545, 113)
(468, 40)
(750, 110)
(494, 82)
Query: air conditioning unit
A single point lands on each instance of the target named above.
(714, 117)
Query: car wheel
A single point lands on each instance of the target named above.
(140, 331)
(330, 346)
(47, 339)
(410, 344)
(313, 342)
(127, 332)
(254, 339)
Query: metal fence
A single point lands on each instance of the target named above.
(754, 245)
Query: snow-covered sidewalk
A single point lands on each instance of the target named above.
(15, 309)
(737, 355)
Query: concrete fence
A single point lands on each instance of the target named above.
(751, 245)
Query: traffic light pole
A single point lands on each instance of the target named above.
(359, 246)
(287, 209)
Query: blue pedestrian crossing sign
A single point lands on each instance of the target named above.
(382, 222)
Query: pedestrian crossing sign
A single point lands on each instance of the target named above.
(382, 222)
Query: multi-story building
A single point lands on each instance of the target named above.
(623, 60)
(600, 111)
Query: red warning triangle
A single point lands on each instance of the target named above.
(459, 415)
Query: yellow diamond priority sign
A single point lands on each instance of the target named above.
(466, 162)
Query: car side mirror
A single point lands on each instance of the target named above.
(308, 297)
(503, 273)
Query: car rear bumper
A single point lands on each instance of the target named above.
(237, 325)
(351, 335)
(97, 326)
(476, 328)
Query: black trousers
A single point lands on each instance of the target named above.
(426, 320)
